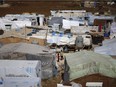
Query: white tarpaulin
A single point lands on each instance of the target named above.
(108, 48)
(109, 41)
(61, 40)
(22, 23)
(14, 24)
(20, 68)
(21, 82)
(68, 23)
(4, 22)
(31, 52)
(113, 28)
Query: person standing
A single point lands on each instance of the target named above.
(61, 55)
(58, 57)
(79, 42)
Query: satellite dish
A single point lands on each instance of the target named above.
(1, 32)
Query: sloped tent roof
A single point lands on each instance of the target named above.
(25, 48)
(108, 48)
(32, 52)
(57, 20)
(87, 62)
(108, 41)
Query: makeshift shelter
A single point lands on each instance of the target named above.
(68, 23)
(6, 24)
(61, 39)
(20, 68)
(20, 73)
(31, 52)
(56, 20)
(108, 48)
(21, 82)
(84, 63)
(83, 29)
(108, 41)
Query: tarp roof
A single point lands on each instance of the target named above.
(25, 48)
(87, 62)
(108, 41)
(31, 52)
(57, 20)
(18, 63)
(108, 48)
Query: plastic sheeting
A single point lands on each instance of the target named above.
(31, 52)
(113, 27)
(68, 23)
(22, 24)
(87, 62)
(25, 49)
(21, 82)
(108, 48)
(20, 68)
(57, 20)
(61, 40)
(109, 41)
(69, 13)
(46, 63)
(83, 29)
(14, 24)
(4, 22)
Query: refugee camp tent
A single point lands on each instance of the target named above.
(113, 27)
(68, 23)
(6, 24)
(84, 63)
(83, 29)
(20, 68)
(30, 52)
(56, 20)
(108, 41)
(61, 40)
(21, 82)
(108, 48)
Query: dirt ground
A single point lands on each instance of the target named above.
(44, 7)
(52, 82)
(40, 7)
